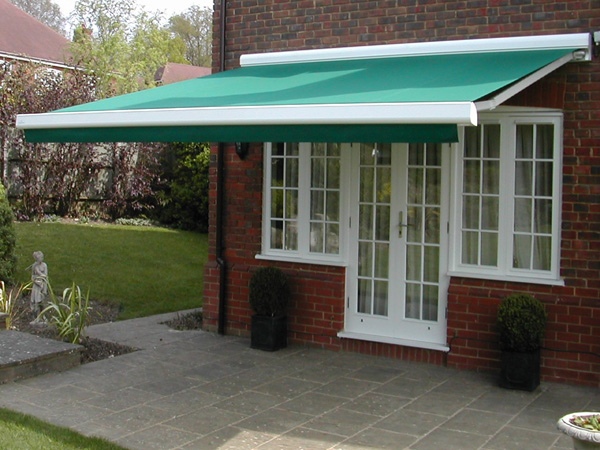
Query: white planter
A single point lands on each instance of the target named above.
(582, 439)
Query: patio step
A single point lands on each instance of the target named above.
(24, 355)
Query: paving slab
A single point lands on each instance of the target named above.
(198, 390)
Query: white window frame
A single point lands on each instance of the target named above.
(508, 119)
(303, 253)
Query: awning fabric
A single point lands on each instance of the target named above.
(390, 99)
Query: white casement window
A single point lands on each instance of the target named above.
(303, 205)
(507, 188)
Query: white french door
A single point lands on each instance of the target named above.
(397, 282)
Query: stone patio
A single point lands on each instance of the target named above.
(197, 390)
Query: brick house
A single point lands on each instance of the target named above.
(408, 166)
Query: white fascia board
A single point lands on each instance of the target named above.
(582, 41)
(461, 113)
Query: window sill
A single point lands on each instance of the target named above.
(393, 340)
(301, 260)
(531, 279)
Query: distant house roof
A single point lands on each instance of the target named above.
(174, 72)
(21, 35)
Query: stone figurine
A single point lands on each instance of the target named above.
(39, 287)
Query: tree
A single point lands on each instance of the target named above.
(121, 45)
(46, 11)
(8, 240)
(194, 26)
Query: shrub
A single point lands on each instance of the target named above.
(269, 292)
(70, 314)
(8, 239)
(521, 323)
(8, 300)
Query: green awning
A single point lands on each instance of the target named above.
(420, 98)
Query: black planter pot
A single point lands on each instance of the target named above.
(268, 333)
(520, 370)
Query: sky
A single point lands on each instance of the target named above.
(169, 7)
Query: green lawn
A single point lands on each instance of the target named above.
(28, 433)
(146, 270)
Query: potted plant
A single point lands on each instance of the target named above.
(583, 427)
(521, 326)
(269, 298)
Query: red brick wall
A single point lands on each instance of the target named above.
(572, 345)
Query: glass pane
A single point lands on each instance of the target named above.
(333, 173)
(491, 141)
(432, 225)
(384, 154)
(491, 177)
(277, 234)
(317, 177)
(318, 149)
(470, 212)
(472, 142)
(333, 206)
(430, 303)
(489, 213)
(523, 215)
(415, 224)
(382, 223)
(431, 269)
(415, 185)
(316, 237)
(543, 216)
(544, 148)
(412, 305)
(415, 154)
(365, 259)
(277, 203)
(364, 296)
(291, 204)
(434, 154)
(542, 246)
(543, 179)
(278, 149)
(524, 141)
(277, 172)
(365, 230)
(332, 239)
(291, 172)
(382, 257)
(470, 247)
(317, 205)
(471, 177)
(380, 302)
(384, 184)
(292, 148)
(333, 149)
(489, 249)
(366, 184)
(413, 262)
(523, 182)
(291, 236)
(522, 252)
(434, 183)
(366, 155)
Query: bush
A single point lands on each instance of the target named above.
(269, 292)
(69, 314)
(521, 323)
(183, 203)
(8, 240)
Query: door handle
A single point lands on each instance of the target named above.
(400, 224)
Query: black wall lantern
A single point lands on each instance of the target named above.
(242, 148)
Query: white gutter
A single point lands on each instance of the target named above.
(461, 113)
(581, 41)
(45, 62)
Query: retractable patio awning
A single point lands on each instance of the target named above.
(390, 93)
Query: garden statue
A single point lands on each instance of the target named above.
(39, 287)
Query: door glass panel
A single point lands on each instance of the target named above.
(374, 229)
(423, 234)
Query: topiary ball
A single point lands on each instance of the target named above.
(269, 292)
(521, 323)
